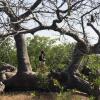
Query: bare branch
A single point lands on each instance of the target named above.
(39, 28)
(97, 31)
(58, 20)
(76, 3)
(91, 10)
(8, 10)
(95, 48)
(27, 13)
(74, 36)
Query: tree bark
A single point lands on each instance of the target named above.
(73, 77)
(22, 54)
(70, 79)
(78, 53)
(24, 79)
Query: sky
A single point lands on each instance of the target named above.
(61, 38)
(92, 37)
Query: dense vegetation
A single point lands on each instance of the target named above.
(58, 56)
(7, 52)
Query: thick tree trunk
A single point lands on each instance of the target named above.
(22, 54)
(79, 51)
(80, 84)
(70, 79)
(25, 79)
(21, 82)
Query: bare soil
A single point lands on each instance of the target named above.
(41, 96)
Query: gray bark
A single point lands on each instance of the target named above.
(22, 54)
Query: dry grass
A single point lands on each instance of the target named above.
(42, 96)
(16, 96)
(77, 97)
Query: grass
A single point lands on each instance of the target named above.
(16, 96)
(42, 96)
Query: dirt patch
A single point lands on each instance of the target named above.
(16, 97)
(42, 96)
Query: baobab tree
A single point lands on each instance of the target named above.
(67, 17)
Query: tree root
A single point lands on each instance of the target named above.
(73, 81)
(28, 82)
(21, 82)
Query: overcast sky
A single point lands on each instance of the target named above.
(48, 33)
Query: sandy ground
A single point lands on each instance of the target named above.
(42, 96)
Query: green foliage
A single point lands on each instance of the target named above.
(34, 47)
(93, 63)
(7, 52)
(57, 55)
(91, 98)
(43, 81)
